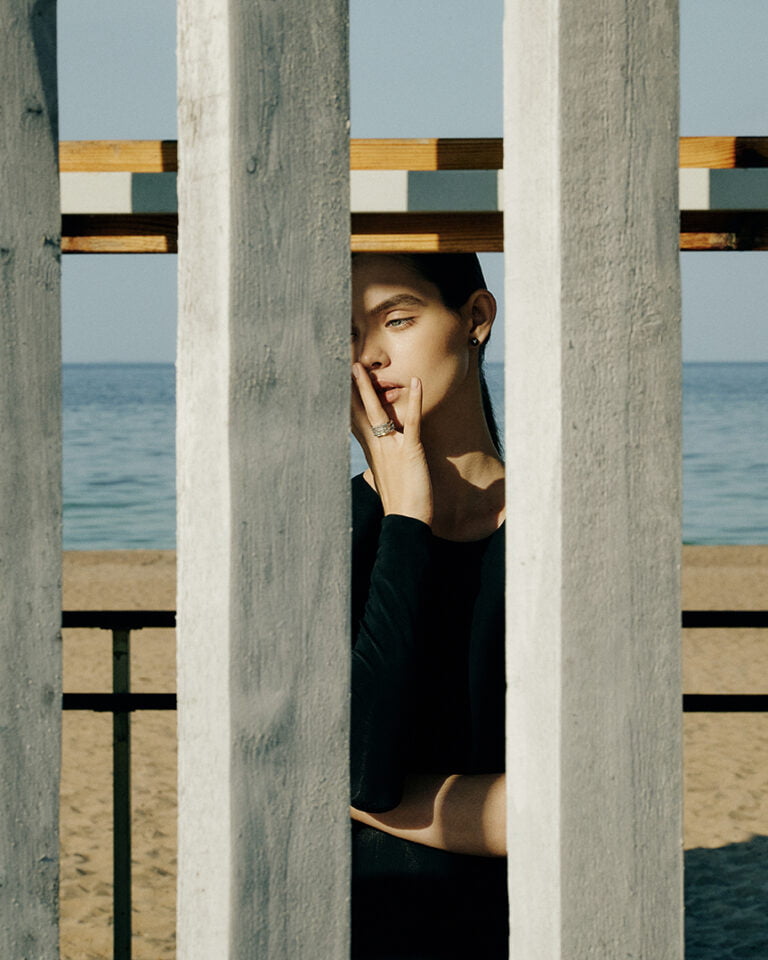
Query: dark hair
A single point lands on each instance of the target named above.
(457, 276)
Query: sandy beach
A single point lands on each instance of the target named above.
(726, 761)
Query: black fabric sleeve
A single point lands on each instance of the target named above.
(386, 661)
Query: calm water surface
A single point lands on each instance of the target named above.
(119, 464)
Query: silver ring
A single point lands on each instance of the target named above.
(384, 429)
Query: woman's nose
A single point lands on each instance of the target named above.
(371, 354)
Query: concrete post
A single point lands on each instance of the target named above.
(30, 472)
(263, 476)
(593, 447)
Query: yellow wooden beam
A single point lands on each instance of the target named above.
(429, 153)
(115, 156)
(723, 153)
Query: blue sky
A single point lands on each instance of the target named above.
(426, 68)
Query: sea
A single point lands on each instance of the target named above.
(119, 458)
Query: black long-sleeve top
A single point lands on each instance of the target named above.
(427, 697)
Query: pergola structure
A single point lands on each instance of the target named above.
(590, 233)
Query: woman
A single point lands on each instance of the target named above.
(427, 746)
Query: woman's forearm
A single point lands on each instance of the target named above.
(464, 813)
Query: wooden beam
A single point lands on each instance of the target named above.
(427, 232)
(428, 154)
(402, 232)
(723, 153)
(119, 232)
(724, 230)
(114, 156)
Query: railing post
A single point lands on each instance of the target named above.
(30, 478)
(593, 447)
(121, 796)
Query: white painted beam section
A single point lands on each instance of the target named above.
(118, 193)
(379, 191)
(693, 187)
(593, 447)
(263, 480)
(370, 191)
(30, 483)
(398, 191)
(96, 192)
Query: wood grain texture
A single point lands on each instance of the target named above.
(119, 232)
(30, 482)
(724, 230)
(427, 232)
(113, 156)
(428, 154)
(403, 232)
(723, 153)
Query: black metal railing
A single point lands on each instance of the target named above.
(725, 702)
(121, 702)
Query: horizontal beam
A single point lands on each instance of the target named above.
(156, 156)
(723, 153)
(118, 702)
(128, 702)
(427, 232)
(725, 703)
(119, 233)
(427, 153)
(118, 619)
(724, 230)
(114, 156)
(725, 619)
(436, 232)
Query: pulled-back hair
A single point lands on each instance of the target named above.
(457, 276)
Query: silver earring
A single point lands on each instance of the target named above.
(474, 342)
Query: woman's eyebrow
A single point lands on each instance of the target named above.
(399, 300)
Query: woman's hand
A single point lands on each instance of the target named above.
(459, 813)
(397, 459)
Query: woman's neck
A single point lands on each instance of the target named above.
(468, 493)
(466, 471)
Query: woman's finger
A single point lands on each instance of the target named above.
(371, 402)
(412, 425)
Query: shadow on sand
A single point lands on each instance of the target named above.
(726, 901)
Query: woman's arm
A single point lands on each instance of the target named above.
(459, 813)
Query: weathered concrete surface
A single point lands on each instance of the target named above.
(593, 447)
(263, 475)
(30, 465)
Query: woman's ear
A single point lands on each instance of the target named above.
(481, 311)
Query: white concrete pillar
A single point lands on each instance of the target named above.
(593, 449)
(263, 401)
(30, 482)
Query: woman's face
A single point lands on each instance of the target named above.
(402, 329)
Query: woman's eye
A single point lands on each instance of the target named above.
(399, 322)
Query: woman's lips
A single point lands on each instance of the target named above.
(388, 391)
